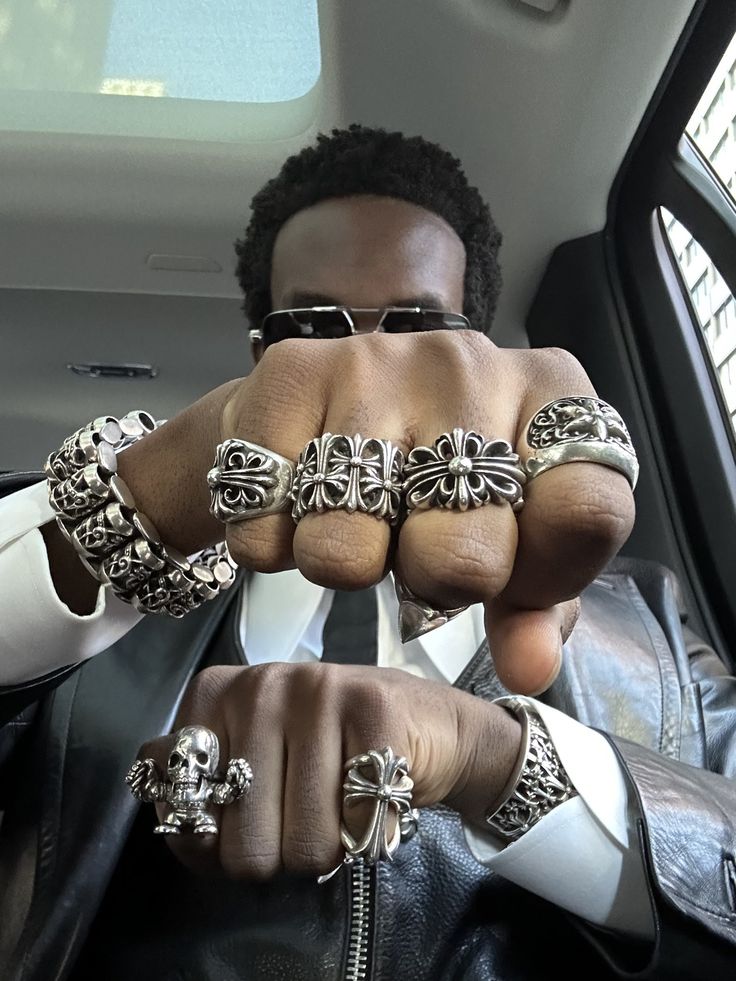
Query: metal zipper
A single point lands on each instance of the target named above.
(361, 888)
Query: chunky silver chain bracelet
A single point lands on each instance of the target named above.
(118, 545)
(539, 782)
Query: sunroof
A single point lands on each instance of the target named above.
(221, 50)
(60, 60)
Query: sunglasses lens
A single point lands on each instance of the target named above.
(307, 323)
(330, 324)
(401, 321)
(280, 326)
(416, 321)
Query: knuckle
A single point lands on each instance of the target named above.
(474, 341)
(255, 859)
(309, 852)
(560, 364)
(462, 353)
(364, 388)
(331, 553)
(597, 524)
(268, 680)
(381, 702)
(330, 676)
(292, 359)
(286, 383)
(204, 692)
(461, 568)
(152, 749)
(602, 525)
(372, 706)
(550, 373)
(316, 685)
(263, 544)
(257, 694)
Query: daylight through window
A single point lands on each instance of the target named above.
(714, 307)
(215, 50)
(713, 124)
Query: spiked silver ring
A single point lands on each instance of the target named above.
(248, 481)
(418, 617)
(463, 470)
(349, 473)
(580, 429)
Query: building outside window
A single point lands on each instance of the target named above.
(713, 129)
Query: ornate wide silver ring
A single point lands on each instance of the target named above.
(249, 481)
(192, 782)
(463, 470)
(349, 473)
(580, 429)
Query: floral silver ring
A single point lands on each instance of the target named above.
(463, 470)
(248, 481)
(580, 429)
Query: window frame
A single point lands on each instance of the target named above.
(696, 460)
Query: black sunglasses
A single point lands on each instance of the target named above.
(325, 323)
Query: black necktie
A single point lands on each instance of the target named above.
(351, 630)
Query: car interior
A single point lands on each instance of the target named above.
(603, 136)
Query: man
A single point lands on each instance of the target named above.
(638, 844)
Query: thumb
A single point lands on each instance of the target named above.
(526, 645)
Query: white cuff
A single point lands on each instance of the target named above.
(582, 856)
(39, 632)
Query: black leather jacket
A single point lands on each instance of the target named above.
(86, 891)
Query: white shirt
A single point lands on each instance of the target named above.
(39, 634)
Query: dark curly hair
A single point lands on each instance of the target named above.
(362, 160)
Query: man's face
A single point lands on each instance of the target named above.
(367, 251)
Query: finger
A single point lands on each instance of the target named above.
(373, 718)
(279, 406)
(455, 559)
(197, 851)
(250, 828)
(219, 699)
(335, 548)
(313, 784)
(450, 557)
(575, 519)
(576, 516)
(200, 706)
(526, 645)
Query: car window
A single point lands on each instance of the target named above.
(712, 126)
(713, 306)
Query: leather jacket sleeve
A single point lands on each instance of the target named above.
(686, 802)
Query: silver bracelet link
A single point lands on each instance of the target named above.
(97, 442)
(540, 781)
(118, 545)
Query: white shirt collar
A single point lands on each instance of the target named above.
(276, 612)
(279, 609)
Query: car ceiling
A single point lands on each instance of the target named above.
(541, 108)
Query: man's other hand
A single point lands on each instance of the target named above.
(297, 724)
